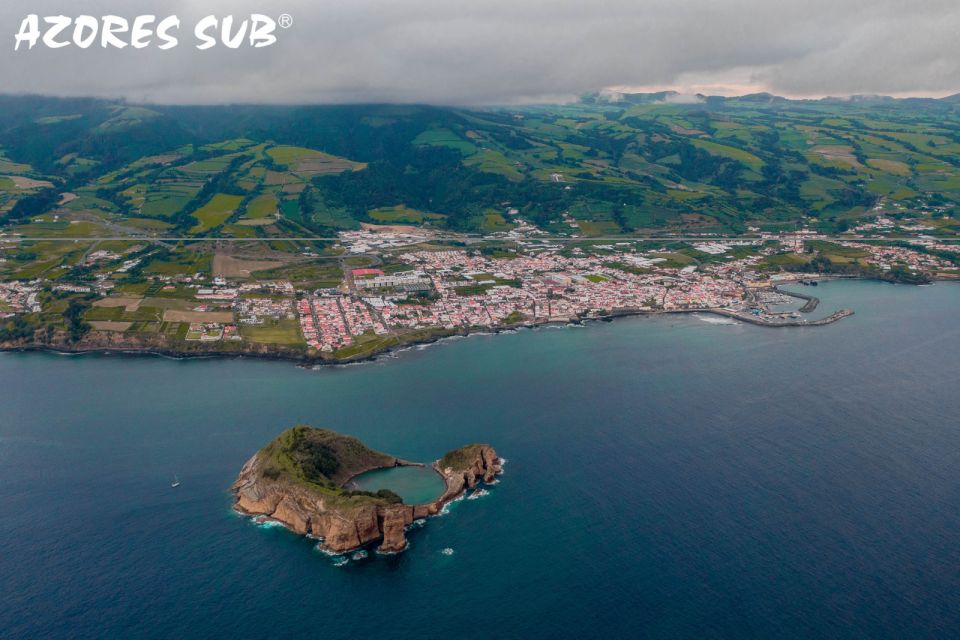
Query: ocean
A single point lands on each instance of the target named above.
(666, 477)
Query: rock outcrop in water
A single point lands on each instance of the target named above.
(298, 480)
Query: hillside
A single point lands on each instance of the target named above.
(609, 165)
(319, 458)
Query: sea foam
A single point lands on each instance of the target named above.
(265, 523)
(714, 319)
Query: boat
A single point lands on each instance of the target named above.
(175, 483)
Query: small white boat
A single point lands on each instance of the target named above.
(175, 483)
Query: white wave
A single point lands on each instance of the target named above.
(391, 553)
(265, 523)
(448, 551)
(479, 493)
(359, 555)
(714, 319)
(327, 552)
(344, 365)
(446, 507)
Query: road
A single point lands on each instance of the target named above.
(460, 238)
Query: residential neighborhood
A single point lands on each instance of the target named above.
(414, 286)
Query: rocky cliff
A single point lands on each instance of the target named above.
(298, 480)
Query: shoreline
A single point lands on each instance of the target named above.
(306, 360)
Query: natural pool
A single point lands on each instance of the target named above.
(416, 485)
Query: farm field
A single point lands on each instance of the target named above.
(215, 212)
(172, 315)
(285, 332)
(403, 215)
(635, 165)
(231, 267)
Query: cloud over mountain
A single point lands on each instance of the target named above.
(506, 51)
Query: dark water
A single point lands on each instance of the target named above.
(667, 478)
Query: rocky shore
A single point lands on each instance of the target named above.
(281, 482)
(104, 343)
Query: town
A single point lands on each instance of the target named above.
(416, 287)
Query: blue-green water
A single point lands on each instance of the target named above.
(416, 485)
(667, 477)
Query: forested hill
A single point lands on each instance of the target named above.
(631, 163)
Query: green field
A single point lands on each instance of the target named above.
(261, 206)
(284, 332)
(402, 215)
(310, 162)
(494, 221)
(287, 155)
(168, 200)
(365, 344)
(442, 137)
(215, 212)
(186, 262)
(321, 274)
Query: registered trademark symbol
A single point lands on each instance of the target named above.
(285, 21)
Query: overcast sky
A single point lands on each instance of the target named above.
(506, 51)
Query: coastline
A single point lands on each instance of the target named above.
(307, 360)
(304, 359)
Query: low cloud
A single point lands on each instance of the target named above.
(506, 51)
(682, 98)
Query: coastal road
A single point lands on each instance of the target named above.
(468, 239)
